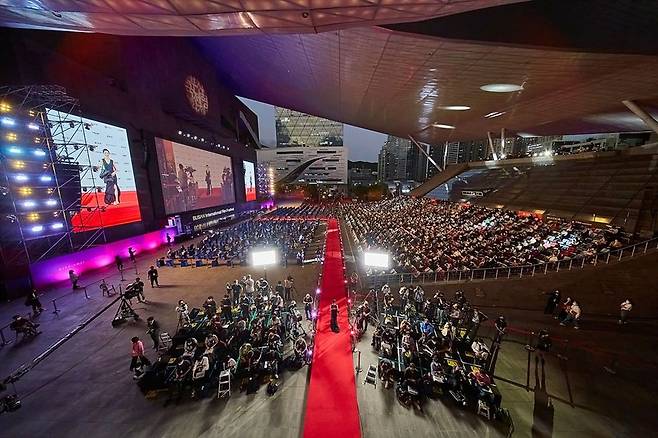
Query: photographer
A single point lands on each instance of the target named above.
(138, 287)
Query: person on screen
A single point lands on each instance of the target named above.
(208, 181)
(109, 176)
(182, 181)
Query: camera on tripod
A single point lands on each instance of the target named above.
(133, 290)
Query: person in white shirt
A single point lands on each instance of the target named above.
(480, 350)
(573, 315)
(624, 309)
(249, 285)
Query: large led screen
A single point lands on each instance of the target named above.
(102, 152)
(193, 178)
(249, 181)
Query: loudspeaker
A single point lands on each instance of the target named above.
(70, 189)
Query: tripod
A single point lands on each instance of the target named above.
(124, 311)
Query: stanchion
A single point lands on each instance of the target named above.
(358, 361)
(55, 309)
(3, 340)
(86, 296)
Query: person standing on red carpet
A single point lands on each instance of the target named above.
(334, 316)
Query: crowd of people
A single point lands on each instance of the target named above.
(228, 245)
(254, 331)
(438, 236)
(429, 347)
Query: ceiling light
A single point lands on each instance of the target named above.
(442, 126)
(494, 114)
(501, 88)
(456, 108)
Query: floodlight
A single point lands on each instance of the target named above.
(376, 259)
(263, 257)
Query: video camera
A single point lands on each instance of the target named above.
(133, 290)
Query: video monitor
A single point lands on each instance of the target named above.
(249, 181)
(193, 178)
(107, 183)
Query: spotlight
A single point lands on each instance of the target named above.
(37, 140)
(87, 126)
(18, 164)
(6, 121)
(76, 147)
(29, 204)
(33, 126)
(180, 132)
(195, 137)
(92, 148)
(25, 191)
(4, 107)
(37, 228)
(57, 226)
(71, 125)
(39, 153)
(51, 203)
(15, 150)
(11, 136)
(32, 217)
(21, 177)
(317, 291)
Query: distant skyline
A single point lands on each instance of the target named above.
(362, 144)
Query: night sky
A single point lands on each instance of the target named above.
(362, 144)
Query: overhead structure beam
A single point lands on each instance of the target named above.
(420, 148)
(491, 146)
(502, 142)
(642, 114)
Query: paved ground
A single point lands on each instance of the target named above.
(85, 386)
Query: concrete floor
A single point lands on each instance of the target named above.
(85, 387)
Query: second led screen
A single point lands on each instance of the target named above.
(193, 178)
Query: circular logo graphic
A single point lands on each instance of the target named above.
(196, 95)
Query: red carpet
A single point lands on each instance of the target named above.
(331, 406)
(124, 213)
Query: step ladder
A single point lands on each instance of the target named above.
(371, 376)
(224, 387)
(165, 341)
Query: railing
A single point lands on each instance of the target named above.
(457, 276)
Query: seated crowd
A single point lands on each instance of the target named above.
(228, 244)
(429, 347)
(251, 334)
(438, 236)
(313, 210)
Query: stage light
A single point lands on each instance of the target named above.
(317, 291)
(51, 202)
(37, 140)
(6, 121)
(87, 126)
(31, 113)
(376, 259)
(33, 126)
(25, 191)
(29, 204)
(4, 107)
(180, 132)
(71, 125)
(33, 217)
(57, 226)
(263, 257)
(21, 177)
(50, 191)
(11, 136)
(18, 164)
(46, 178)
(15, 150)
(37, 228)
(39, 153)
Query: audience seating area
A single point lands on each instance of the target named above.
(610, 188)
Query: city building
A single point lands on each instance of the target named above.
(362, 173)
(299, 129)
(311, 165)
(400, 160)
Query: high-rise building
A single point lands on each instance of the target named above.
(399, 159)
(298, 129)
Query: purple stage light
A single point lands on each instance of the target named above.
(56, 270)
